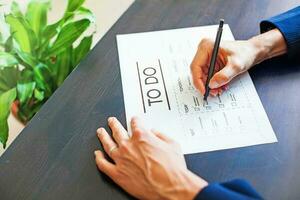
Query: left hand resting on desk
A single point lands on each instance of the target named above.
(148, 165)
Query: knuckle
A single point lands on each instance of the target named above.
(115, 155)
(115, 132)
(204, 42)
(124, 146)
(222, 78)
(195, 80)
(236, 67)
(123, 143)
(102, 136)
(144, 139)
(113, 122)
(137, 134)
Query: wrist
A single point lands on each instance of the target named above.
(196, 186)
(268, 45)
(191, 185)
(261, 51)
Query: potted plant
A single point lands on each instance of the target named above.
(36, 57)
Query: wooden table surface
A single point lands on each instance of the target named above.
(53, 157)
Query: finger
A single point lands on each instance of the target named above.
(200, 64)
(225, 87)
(119, 132)
(199, 82)
(107, 142)
(104, 165)
(220, 90)
(219, 64)
(214, 92)
(223, 77)
(137, 127)
(162, 136)
(202, 55)
(136, 124)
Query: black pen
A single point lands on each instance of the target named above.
(213, 59)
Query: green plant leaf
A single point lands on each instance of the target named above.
(43, 78)
(69, 34)
(9, 44)
(7, 60)
(50, 31)
(22, 33)
(25, 92)
(72, 8)
(80, 13)
(37, 15)
(27, 59)
(8, 78)
(86, 13)
(6, 100)
(74, 5)
(26, 76)
(63, 65)
(15, 9)
(25, 113)
(39, 95)
(1, 38)
(81, 50)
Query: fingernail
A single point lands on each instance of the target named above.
(99, 131)
(214, 94)
(213, 85)
(110, 119)
(134, 120)
(95, 153)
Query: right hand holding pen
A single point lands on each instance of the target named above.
(234, 58)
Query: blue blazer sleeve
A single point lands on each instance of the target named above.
(233, 190)
(288, 24)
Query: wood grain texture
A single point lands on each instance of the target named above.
(53, 157)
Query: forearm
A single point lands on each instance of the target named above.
(268, 45)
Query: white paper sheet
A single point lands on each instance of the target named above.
(157, 87)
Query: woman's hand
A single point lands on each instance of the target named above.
(234, 58)
(148, 165)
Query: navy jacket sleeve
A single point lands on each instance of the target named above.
(233, 190)
(288, 24)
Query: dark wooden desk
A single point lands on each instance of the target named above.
(53, 157)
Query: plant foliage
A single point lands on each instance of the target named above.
(37, 57)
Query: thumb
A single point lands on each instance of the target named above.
(223, 77)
